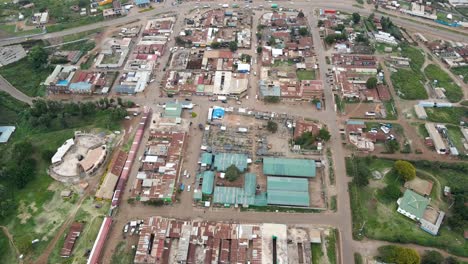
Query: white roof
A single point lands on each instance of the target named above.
(150, 159)
(243, 67)
(62, 150)
(276, 52)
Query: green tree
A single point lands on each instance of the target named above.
(303, 31)
(391, 192)
(215, 45)
(300, 14)
(451, 260)
(356, 18)
(271, 99)
(38, 57)
(233, 46)
(392, 146)
(324, 134)
(259, 49)
(272, 126)
(432, 257)
(405, 169)
(232, 173)
(371, 83)
(398, 255)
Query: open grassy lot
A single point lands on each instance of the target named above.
(123, 254)
(452, 90)
(36, 210)
(331, 246)
(11, 30)
(92, 218)
(25, 78)
(306, 75)
(376, 217)
(456, 136)
(7, 254)
(415, 54)
(451, 115)
(74, 23)
(408, 85)
(9, 109)
(463, 71)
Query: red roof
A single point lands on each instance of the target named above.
(73, 234)
(100, 240)
(303, 126)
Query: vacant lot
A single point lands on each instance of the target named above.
(451, 115)
(456, 137)
(9, 109)
(376, 218)
(463, 71)
(408, 85)
(306, 75)
(25, 78)
(452, 90)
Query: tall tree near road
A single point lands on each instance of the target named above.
(405, 169)
(38, 57)
(356, 18)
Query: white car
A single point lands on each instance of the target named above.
(188, 175)
(188, 188)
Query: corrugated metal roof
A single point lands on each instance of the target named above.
(208, 182)
(225, 195)
(414, 203)
(207, 158)
(250, 183)
(224, 160)
(289, 167)
(288, 191)
(173, 110)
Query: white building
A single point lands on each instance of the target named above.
(384, 37)
(436, 138)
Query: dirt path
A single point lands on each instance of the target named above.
(10, 239)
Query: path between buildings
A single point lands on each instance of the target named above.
(10, 89)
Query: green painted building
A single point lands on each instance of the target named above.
(289, 167)
(288, 191)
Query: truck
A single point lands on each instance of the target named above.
(274, 6)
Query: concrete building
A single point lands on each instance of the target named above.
(420, 112)
(439, 144)
(60, 79)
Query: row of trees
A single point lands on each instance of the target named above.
(307, 140)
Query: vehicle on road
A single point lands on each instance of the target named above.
(188, 188)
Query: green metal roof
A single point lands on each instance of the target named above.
(414, 203)
(225, 195)
(197, 195)
(173, 110)
(289, 167)
(250, 183)
(208, 182)
(206, 158)
(288, 191)
(224, 160)
(284, 183)
(200, 88)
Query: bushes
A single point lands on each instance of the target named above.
(451, 115)
(452, 90)
(398, 255)
(408, 85)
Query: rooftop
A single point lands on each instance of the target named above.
(224, 160)
(289, 167)
(288, 191)
(413, 203)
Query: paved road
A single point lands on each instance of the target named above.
(344, 5)
(7, 87)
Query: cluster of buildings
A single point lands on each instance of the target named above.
(10, 54)
(351, 73)
(143, 58)
(160, 167)
(219, 26)
(207, 72)
(454, 54)
(287, 61)
(164, 240)
(364, 138)
(69, 79)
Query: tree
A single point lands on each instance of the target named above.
(398, 255)
(392, 146)
(233, 46)
(300, 14)
(320, 23)
(215, 45)
(451, 260)
(38, 57)
(303, 31)
(271, 99)
(272, 126)
(259, 49)
(371, 83)
(432, 257)
(391, 192)
(356, 18)
(232, 173)
(259, 35)
(324, 134)
(405, 169)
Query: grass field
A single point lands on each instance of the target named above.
(331, 246)
(463, 71)
(306, 75)
(11, 30)
(317, 253)
(415, 54)
(456, 136)
(75, 23)
(409, 85)
(25, 78)
(124, 254)
(452, 90)
(9, 109)
(451, 115)
(376, 219)
(6, 251)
